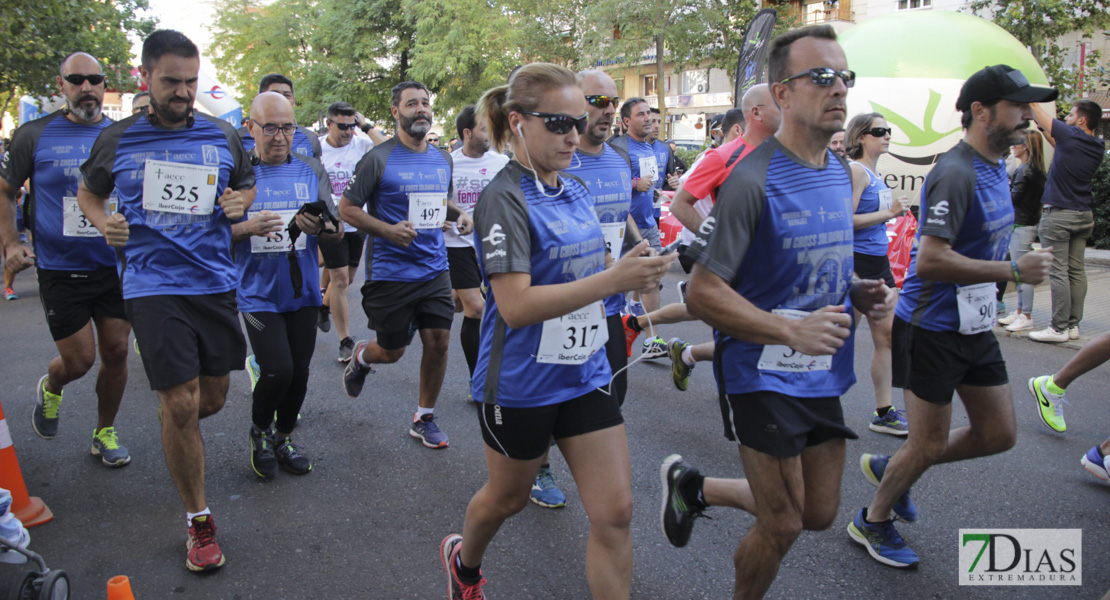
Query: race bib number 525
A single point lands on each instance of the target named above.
(179, 187)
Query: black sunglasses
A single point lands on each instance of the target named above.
(344, 126)
(603, 102)
(879, 131)
(78, 79)
(560, 124)
(825, 77)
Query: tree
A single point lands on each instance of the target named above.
(31, 52)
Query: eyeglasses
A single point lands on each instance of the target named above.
(433, 140)
(825, 77)
(602, 102)
(79, 79)
(561, 124)
(343, 126)
(271, 130)
(879, 131)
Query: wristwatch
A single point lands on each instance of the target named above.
(366, 126)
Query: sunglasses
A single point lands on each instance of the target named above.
(602, 102)
(79, 79)
(560, 124)
(433, 140)
(271, 130)
(879, 131)
(825, 77)
(344, 126)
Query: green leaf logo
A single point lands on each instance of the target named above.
(919, 136)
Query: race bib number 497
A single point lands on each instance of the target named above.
(179, 187)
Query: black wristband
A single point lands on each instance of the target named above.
(366, 127)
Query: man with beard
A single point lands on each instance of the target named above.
(836, 144)
(183, 178)
(305, 142)
(405, 187)
(78, 283)
(942, 338)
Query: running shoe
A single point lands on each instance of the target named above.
(263, 461)
(1050, 335)
(354, 376)
(106, 445)
(630, 334)
(677, 516)
(682, 291)
(882, 541)
(680, 371)
(290, 458)
(253, 370)
(1019, 323)
(9, 294)
(1073, 333)
(44, 419)
(204, 552)
(323, 318)
(1096, 463)
(1049, 406)
(545, 492)
(893, 422)
(654, 348)
(1008, 319)
(346, 348)
(426, 430)
(135, 345)
(456, 588)
(873, 467)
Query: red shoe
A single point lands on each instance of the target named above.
(629, 335)
(204, 552)
(456, 589)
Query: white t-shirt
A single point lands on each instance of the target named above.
(471, 176)
(703, 206)
(340, 164)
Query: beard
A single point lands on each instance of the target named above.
(417, 126)
(598, 132)
(166, 113)
(86, 114)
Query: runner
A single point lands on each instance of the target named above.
(543, 257)
(405, 186)
(182, 178)
(139, 102)
(942, 327)
(782, 315)
(305, 142)
(78, 283)
(279, 289)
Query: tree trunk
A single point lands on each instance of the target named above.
(7, 101)
(660, 86)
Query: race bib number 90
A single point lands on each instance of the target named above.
(179, 187)
(278, 241)
(785, 358)
(572, 339)
(427, 210)
(74, 221)
(977, 304)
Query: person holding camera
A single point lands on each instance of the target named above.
(279, 289)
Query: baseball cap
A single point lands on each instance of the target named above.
(716, 121)
(1001, 82)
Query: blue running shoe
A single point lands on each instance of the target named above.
(1093, 461)
(882, 541)
(873, 466)
(426, 430)
(545, 492)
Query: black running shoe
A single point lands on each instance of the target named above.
(263, 461)
(323, 319)
(354, 376)
(676, 515)
(290, 458)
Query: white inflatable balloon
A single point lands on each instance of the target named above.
(217, 100)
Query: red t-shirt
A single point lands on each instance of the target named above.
(715, 167)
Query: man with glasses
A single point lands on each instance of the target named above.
(400, 194)
(774, 279)
(183, 178)
(305, 142)
(139, 102)
(78, 283)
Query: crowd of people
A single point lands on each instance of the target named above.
(542, 229)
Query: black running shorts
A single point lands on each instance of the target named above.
(463, 265)
(397, 309)
(781, 425)
(71, 299)
(526, 433)
(931, 364)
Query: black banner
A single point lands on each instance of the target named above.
(750, 67)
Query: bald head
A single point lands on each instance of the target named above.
(598, 83)
(83, 98)
(761, 113)
(271, 110)
(269, 106)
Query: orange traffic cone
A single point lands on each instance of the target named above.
(31, 511)
(119, 588)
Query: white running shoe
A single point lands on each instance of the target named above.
(1020, 323)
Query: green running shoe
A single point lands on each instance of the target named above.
(106, 445)
(680, 371)
(1050, 406)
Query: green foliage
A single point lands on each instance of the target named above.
(1101, 204)
(38, 34)
(688, 155)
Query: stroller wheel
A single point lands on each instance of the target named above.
(25, 589)
(55, 586)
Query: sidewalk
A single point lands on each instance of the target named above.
(1096, 310)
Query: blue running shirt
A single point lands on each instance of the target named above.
(387, 178)
(781, 235)
(640, 154)
(49, 151)
(666, 167)
(305, 142)
(877, 196)
(966, 201)
(265, 284)
(555, 240)
(171, 253)
(609, 179)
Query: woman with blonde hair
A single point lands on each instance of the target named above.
(542, 370)
(1026, 187)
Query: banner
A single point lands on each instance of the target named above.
(750, 67)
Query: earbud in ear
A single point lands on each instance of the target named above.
(518, 130)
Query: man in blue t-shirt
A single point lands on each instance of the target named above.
(182, 178)
(305, 142)
(400, 194)
(942, 339)
(1068, 221)
(78, 283)
(774, 279)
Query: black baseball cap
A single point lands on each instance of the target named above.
(1001, 82)
(716, 122)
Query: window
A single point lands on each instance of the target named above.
(695, 82)
(912, 4)
(649, 85)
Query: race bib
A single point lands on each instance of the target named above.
(74, 221)
(427, 210)
(786, 359)
(977, 307)
(179, 187)
(280, 240)
(649, 169)
(614, 238)
(572, 339)
(886, 199)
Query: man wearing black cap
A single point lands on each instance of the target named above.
(942, 336)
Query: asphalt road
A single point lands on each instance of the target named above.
(366, 523)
